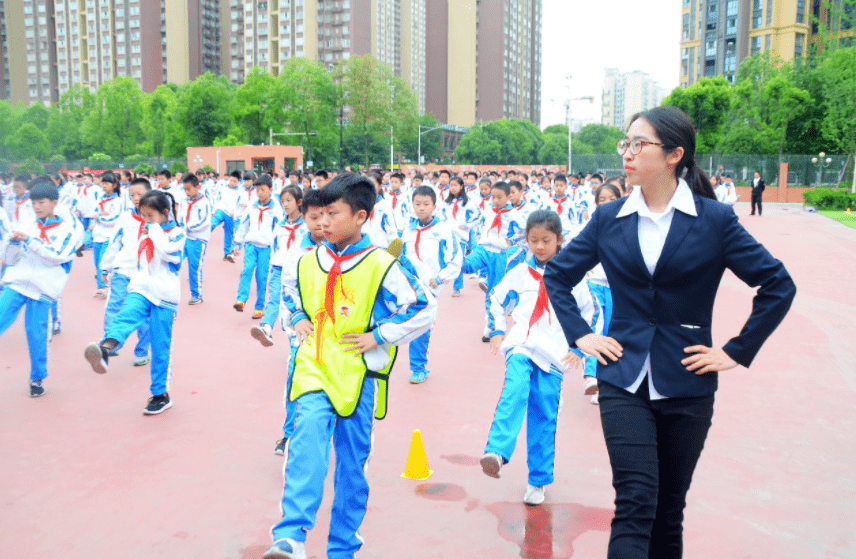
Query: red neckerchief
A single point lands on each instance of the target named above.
(148, 247)
(104, 201)
(574, 191)
(262, 210)
(18, 204)
(559, 202)
(190, 207)
(43, 231)
(292, 234)
(455, 208)
(142, 225)
(483, 200)
(419, 237)
(329, 312)
(497, 221)
(542, 304)
(395, 196)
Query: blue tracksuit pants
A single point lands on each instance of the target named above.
(603, 304)
(136, 311)
(255, 259)
(274, 296)
(306, 464)
(536, 393)
(493, 264)
(418, 352)
(87, 236)
(290, 407)
(194, 251)
(36, 323)
(228, 229)
(97, 253)
(56, 313)
(459, 281)
(118, 294)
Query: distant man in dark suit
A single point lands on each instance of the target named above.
(758, 186)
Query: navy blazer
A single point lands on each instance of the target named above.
(671, 310)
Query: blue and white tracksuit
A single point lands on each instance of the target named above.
(602, 294)
(226, 211)
(195, 218)
(566, 207)
(439, 257)
(35, 277)
(88, 196)
(380, 225)
(121, 258)
(256, 233)
(106, 217)
(402, 312)
(22, 214)
(287, 235)
(154, 293)
(400, 208)
(5, 232)
(462, 219)
(534, 369)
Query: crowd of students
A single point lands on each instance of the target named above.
(351, 267)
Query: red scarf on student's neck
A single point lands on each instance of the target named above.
(18, 204)
(542, 304)
(142, 223)
(43, 231)
(147, 247)
(292, 234)
(190, 208)
(497, 221)
(419, 232)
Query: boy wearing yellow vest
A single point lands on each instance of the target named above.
(350, 305)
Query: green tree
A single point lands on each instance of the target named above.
(706, 103)
(123, 112)
(601, 138)
(203, 110)
(555, 149)
(838, 72)
(431, 148)
(28, 142)
(158, 122)
(477, 147)
(254, 105)
(36, 114)
(510, 141)
(65, 126)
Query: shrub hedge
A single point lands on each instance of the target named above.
(825, 199)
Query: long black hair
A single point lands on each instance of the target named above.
(161, 201)
(462, 195)
(675, 130)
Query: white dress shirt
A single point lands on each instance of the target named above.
(653, 229)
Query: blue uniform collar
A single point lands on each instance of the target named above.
(50, 220)
(26, 196)
(416, 224)
(298, 222)
(362, 244)
(308, 241)
(533, 263)
(198, 196)
(260, 205)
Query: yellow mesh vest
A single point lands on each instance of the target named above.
(321, 365)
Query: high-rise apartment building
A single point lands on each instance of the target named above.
(716, 35)
(509, 60)
(29, 56)
(450, 62)
(627, 94)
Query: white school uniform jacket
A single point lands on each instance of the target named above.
(727, 194)
(402, 311)
(380, 226)
(286, 236)
(107, 215)
(22, 214)
(88, 196)
(544, 341)
(289, 274)
(567, 210)
(246, 197)
(500, 235)
(433, 250)
(258, 224)
(458, 215)
(122, 255)
(521, 215)
(5, 231)
(125, 195)
(400, 209)
(39, 266)
(228, 200)
(159, 256)
(194, 216)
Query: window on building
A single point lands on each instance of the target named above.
(798, 45)
(686, 27)
(731, 26)
(767, 39)
(756, 45)
(800, 11)
(757, 13)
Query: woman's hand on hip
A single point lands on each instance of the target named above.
(600, 347)
(707, 360)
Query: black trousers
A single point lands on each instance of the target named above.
(654, 446)
(756, 201)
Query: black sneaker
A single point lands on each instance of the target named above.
(158, 404)
(280, 447)
(36, 388)
(97, 357)
(485, 339)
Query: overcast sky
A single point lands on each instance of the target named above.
(582, 37)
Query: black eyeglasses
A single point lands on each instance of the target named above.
(634, 145)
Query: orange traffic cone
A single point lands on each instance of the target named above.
(417, 461)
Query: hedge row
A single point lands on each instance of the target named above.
(825, 199)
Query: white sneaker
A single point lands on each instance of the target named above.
(534, 495)
(262, 333)
(589, 385)
(595, 400)
(286, 548)
(491, 463)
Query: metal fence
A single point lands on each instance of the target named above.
(56, 165)
(801, 170)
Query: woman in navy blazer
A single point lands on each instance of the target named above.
(664, 250)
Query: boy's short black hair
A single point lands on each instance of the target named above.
(425, 191)
(165, 173)
(515, 184)
(503, 186)
(419, 176)
(399, 176)
(190, 178)
(249, 176)
(484, 180)
(295, 192)
(356, 191)
(445, 172)
(263, 180)
(41, 189)
(236, 174)
(24, 179)
(142, 181)
(311, 199)
(294, 173)
(472, 174)
(323, 174)
(561, 178)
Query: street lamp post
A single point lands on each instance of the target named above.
(429, 129)
(197, 161)
(821, 163)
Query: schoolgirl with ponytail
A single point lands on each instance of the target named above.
(154, 293)
(664, 250)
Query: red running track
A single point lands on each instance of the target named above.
(85, 475)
